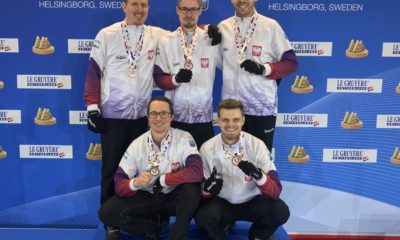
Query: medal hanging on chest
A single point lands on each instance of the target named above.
(133, 54)
(235, 158)
(243, 42)
(154, 158)
(188, 51)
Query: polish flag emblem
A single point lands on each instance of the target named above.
(256, 50)
(204, 63)
(150, 54)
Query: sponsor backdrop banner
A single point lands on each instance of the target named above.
(338, 127)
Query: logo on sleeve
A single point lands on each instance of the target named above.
(256, 50)
(204, 63)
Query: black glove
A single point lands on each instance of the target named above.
(250, 170)
(252, 66)
(183, 76)
(214, 33)
(157, 188)
(95, 122)
(213, 184)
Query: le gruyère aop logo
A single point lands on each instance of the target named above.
(298, 155)
(3, 154)
(44, 117)
(395, 159)
(351, 121)
(94, 152)
(42, 46)
(302, 85)
(1, 85)
(356, 49)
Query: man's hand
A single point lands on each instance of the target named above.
(250, 170)
(95, 121)
(144, 179)
(157, 188)
(252, 66)
(213, 184)
(183, 76)
(215, 35)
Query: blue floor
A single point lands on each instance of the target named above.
(73, 216)
(238, 233)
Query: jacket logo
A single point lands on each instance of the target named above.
(204, 63)
(175, 166)
(256, 50)
(150, 54)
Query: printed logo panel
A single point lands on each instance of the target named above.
(350, 155)
(45, 151)
(44, 81)
(10, 116)
(354, 85)
(302, 120)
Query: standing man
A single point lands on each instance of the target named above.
(119, 84)
(256, 54)
(185, 67)
(241, 178)
(157, 177)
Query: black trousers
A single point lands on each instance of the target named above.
(201, 132)
(141, 212)
(262, 127)
(117, 137)
(265, 214)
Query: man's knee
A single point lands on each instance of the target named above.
(190, 192)
(282, 213)
(104, 215)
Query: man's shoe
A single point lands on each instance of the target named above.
(113, 233)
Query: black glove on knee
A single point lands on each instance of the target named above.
(213, 184)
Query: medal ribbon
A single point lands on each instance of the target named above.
(230, 155)
(133, 55)
(153, 157)
(188, 51)
(242, 43)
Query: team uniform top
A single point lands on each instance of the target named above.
(237, 187)
(268, 46)
(192, 101)
(108, 83)
(180, 164)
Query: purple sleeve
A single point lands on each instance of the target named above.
(163, 80)
(285, 66)
(92, 84)
(122, 184)
(272, 187)
(191, 173)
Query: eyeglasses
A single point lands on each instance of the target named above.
(163, 115)
(186, 10)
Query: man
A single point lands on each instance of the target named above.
(256, 55)
(185, 67)
(157, 177)
(240, 178)
(119, 84)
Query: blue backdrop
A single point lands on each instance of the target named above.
(320, 32)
